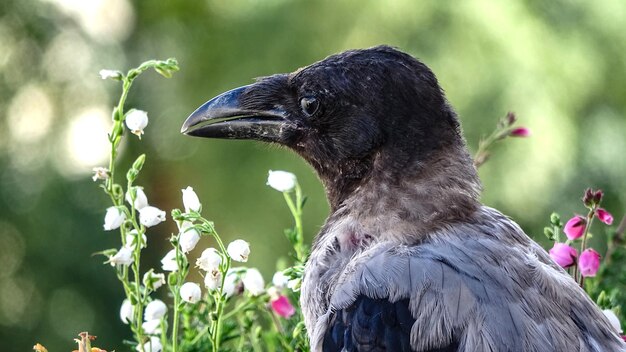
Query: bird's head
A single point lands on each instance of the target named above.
(352, 116)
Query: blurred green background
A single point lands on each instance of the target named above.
(560, 65)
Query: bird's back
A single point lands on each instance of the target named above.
(480, 285)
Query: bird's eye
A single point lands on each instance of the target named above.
(309, 105)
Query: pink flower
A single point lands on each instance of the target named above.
(563, 254)
(604, 216)
(589, 262)
(283, 307)
(575, 227)
(520, 132)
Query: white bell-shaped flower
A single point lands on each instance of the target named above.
(190, 292)
(114, 218)
(155, 310)
(136, 121)
(253, 282)
(127, 312)
(280, 280)
(141, 200)
(150, 216)
(189, 237)
(132, 237)
(282, 181)
(213, 281)
(152, 327)
(209, 261)
(168, 263)
(191, 200)
(123, 257)
(153, 280)
(239, 250)
(153, 345)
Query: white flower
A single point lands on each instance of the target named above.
(141, 201)
(212, 281)
(123, 257)
(280, 280)
(113, 218)
(100, 173)
(155, 310)
(230, 283)
(154, 345)
(282, 181)
(190, 292)
(253, 282)
(152, 327)
(190, 200)
(189, 237)
(106, 74)
(239, 250)
(210, 261)
(132, 237)
(136, 121)
(127, 312)
(168, 263)
(150, 216)
(294, 284)
(153, 280)
(613, 319)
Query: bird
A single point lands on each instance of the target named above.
(408, 259)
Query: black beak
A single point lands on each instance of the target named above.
(226, 117)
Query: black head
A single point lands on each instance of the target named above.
(349, 115)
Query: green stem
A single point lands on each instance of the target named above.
(296, 212)
(175, 322)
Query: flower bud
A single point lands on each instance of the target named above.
(281, 181)
(189, 237)
(597, 196)
(604, 216)
(127, 312)
(613, 319)
(153, 280)
(280, 280)
(588, 200)
(511, 118)
(239, 250)
(190, 200)
(123, 257)
(155, 310)
(210, 261)
(141, 200)
(575, 227)
(283, 307)
(136, 121)
(150, 216)
(589, 262)
(168, 263)
(110, 74)
(113, 218)
(520, 132)
(563, 255)
(100, 173)
(190, 292)
(253, 282)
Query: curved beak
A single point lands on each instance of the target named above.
(225, 116)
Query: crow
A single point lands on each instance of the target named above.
(408, 259)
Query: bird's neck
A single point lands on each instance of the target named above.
(406, 202)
